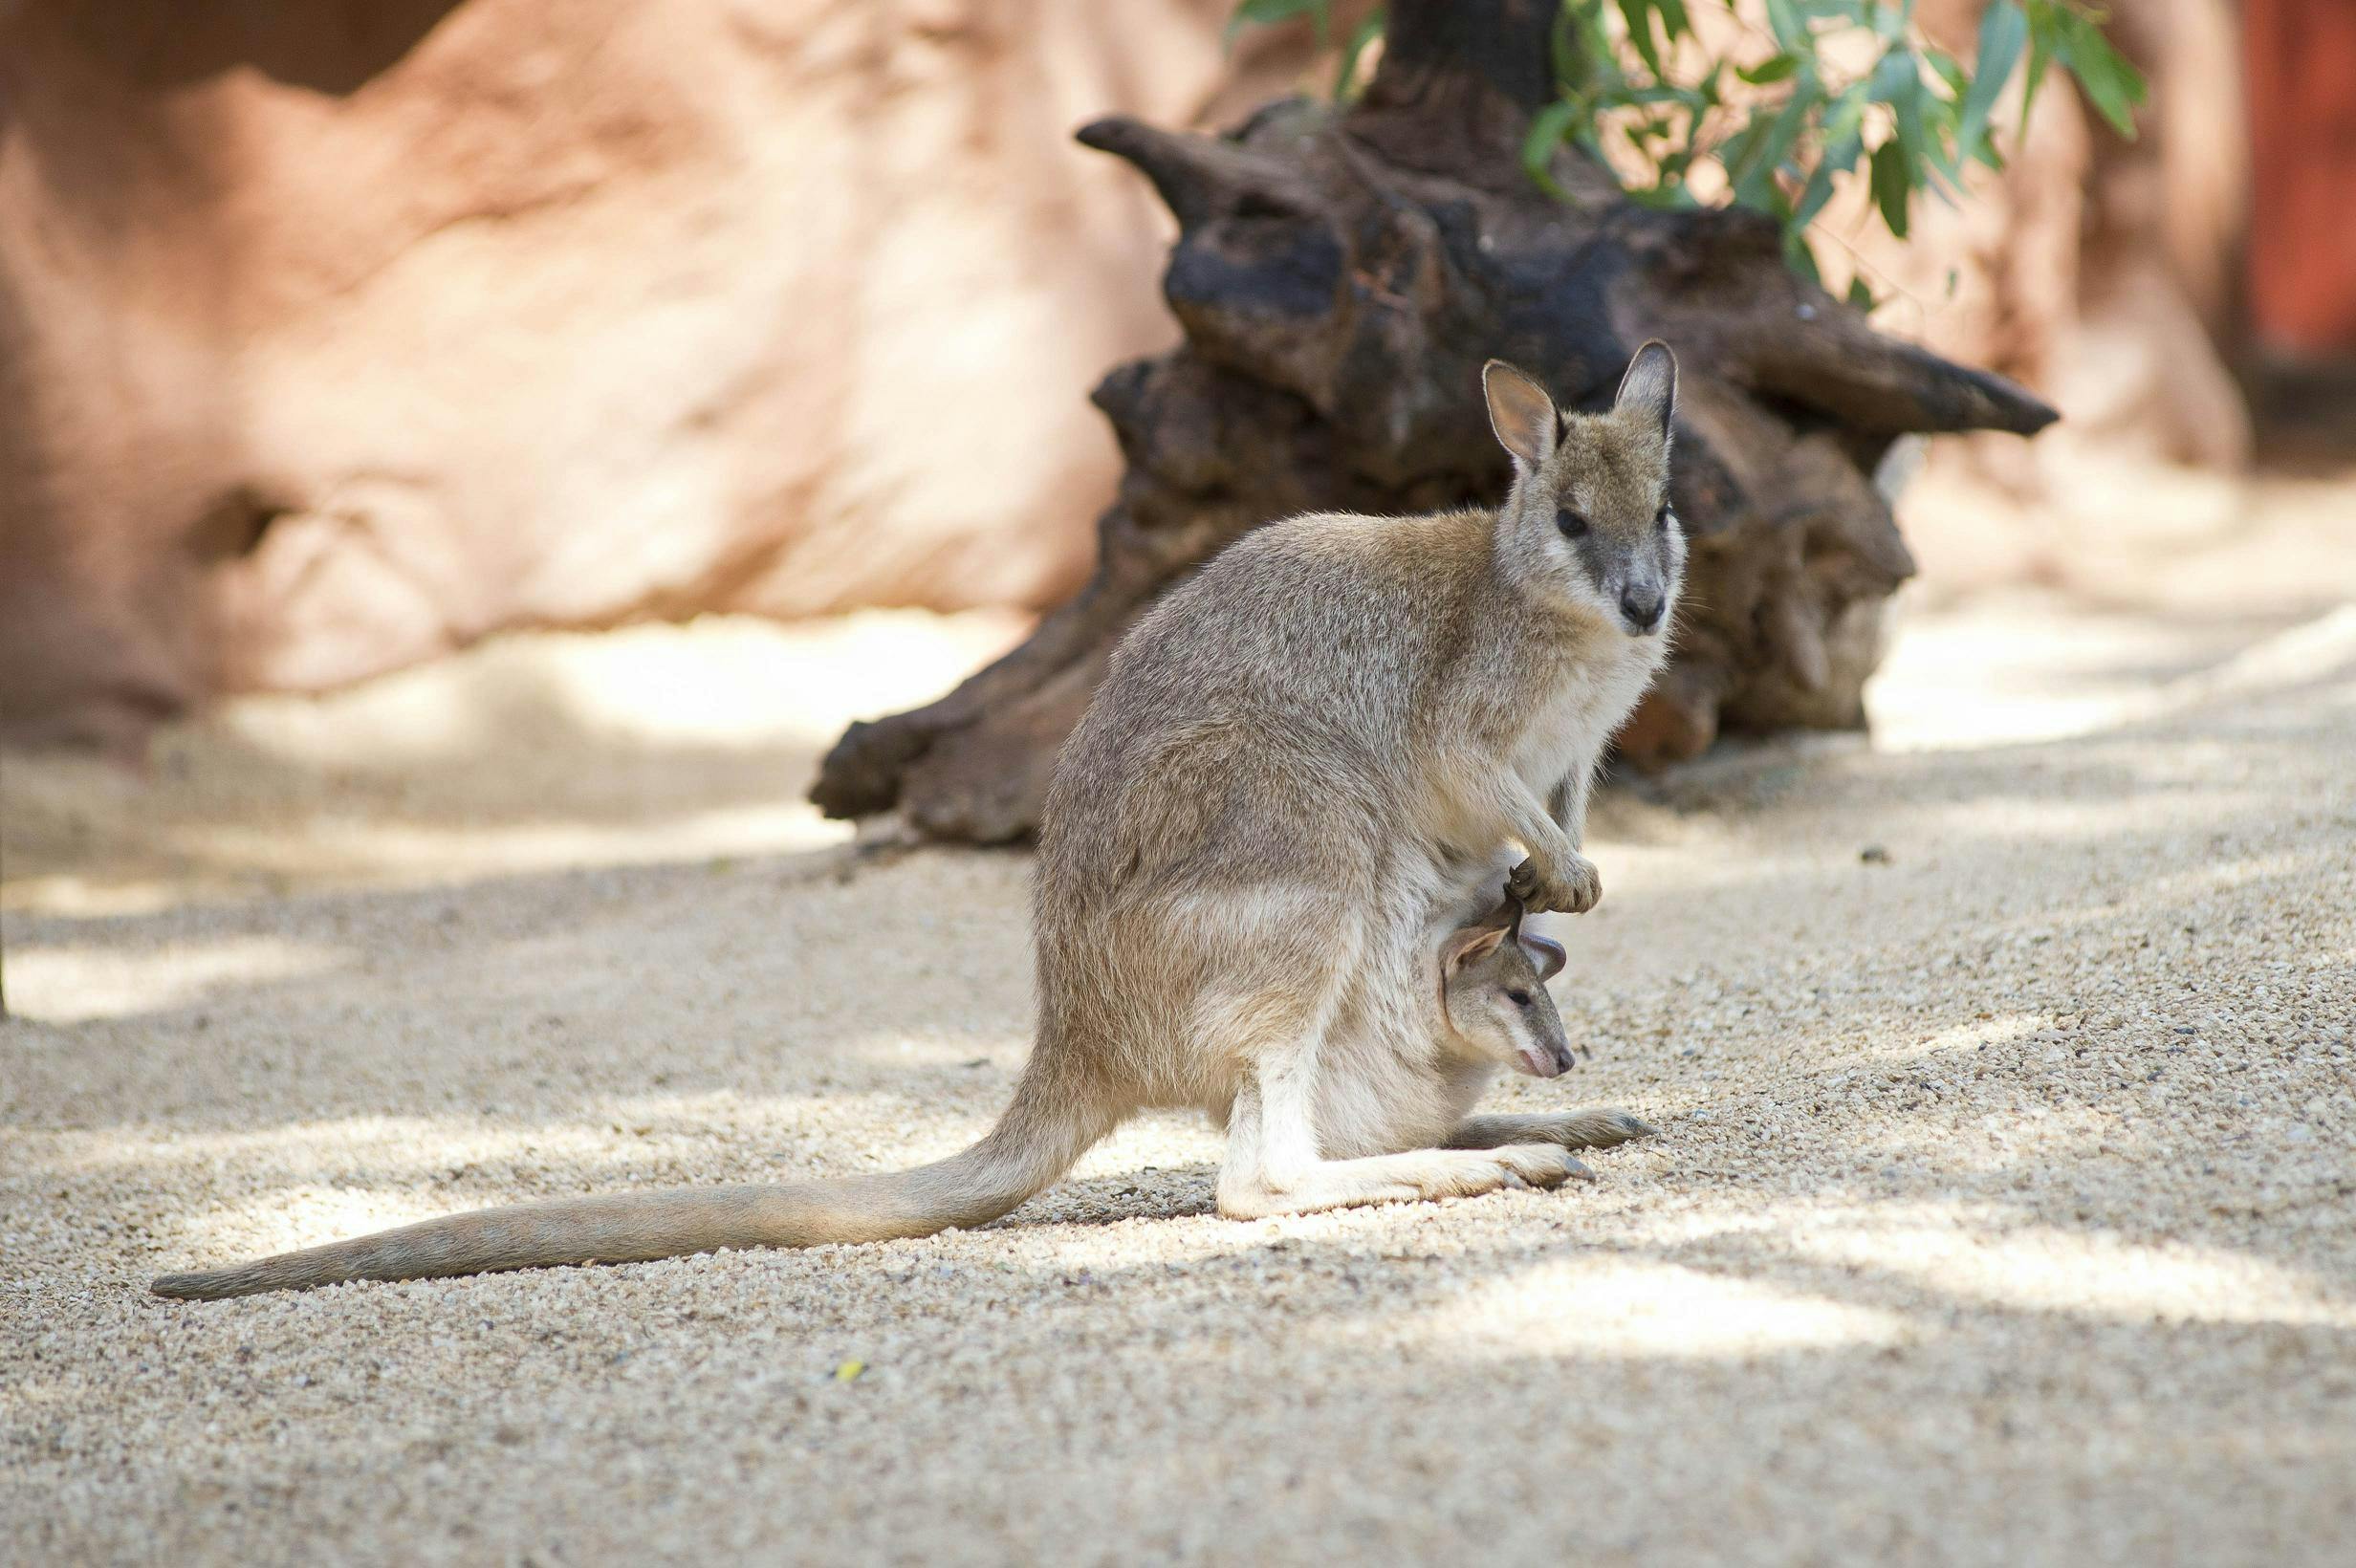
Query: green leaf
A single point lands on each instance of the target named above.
(1791, 30)
(1891, 22)
(1799, 257)
(1571, 63)
(1345, 73)
(1848, 112)
(1891, 188)
(1861, 296)
(1712, 90)
(1269, 12)
(1767, 141)
(1586, 63)
(1772, 69)
(2039, 14)
(2111, 85)
(1946, 67)
(1840, 156)
(1895, 73)
(2002, 30)
(1547, 130)
(1638, 16)
(1898, 82)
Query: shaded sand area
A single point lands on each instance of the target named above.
(2004, 1210)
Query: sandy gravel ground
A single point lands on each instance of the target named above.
(2006, 1209)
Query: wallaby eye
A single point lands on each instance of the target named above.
(1660, 519)
(1571, 523)
(1519, 998)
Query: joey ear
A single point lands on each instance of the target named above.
(1520, 412)
(1547, 956)
(1649, 391)
(1469, 946)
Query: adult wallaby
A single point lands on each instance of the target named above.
(1302, 770)
(1301, 766)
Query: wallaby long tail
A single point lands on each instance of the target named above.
(1034, 1142)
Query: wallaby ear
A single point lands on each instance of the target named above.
(1520, 412)
(1469, 946)
(1649, 391)
(1547, 956)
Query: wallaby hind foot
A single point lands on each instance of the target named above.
(1415, 1177)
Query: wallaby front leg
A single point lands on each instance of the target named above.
(1555, 875)
(1599, 1128)
(1567, 805)
(1271, 1164)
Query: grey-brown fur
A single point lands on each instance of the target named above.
(1305, 770)
(1304, 765)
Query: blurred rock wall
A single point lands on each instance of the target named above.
(335, 335)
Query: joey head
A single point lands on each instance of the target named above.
(1492, 988)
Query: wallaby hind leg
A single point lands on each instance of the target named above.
(1273, 1167)
(1415, 1177)
(1600, 1128)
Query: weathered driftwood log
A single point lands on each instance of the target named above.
(1341, 277)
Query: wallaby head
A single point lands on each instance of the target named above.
(1587, 525)
(1493, 987)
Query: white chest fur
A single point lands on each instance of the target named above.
(1567, 731)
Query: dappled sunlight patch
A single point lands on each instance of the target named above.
(2177, 889)
(937, 1047)
(1598, 1305)
(1860, 1059)
(1161, 1140)
(2045, 1269)
(288, 1218)
(71, 982)
(716, 681)
(389, 1145)
(1995, 1143)
(533, 751)
(401, 854)
(2090, 816)
(630, 1131)
(2015, 673)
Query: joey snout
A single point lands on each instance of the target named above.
(1546, 1059)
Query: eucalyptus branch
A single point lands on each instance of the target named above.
(1793, 124)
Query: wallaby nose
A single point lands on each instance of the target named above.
(1642, 606)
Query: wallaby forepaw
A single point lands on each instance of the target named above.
(1577, 888)
(1602, 1129)
(1583, 886)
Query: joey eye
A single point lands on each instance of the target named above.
(1519, 998)
(1572, 523)
(1660, 519)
